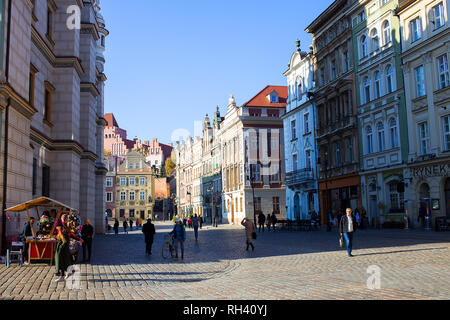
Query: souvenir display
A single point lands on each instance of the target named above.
(45, 228)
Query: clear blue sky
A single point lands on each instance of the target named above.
(169, 63)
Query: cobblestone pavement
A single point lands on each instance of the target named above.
(414, 264)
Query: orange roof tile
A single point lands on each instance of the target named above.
(260, 99)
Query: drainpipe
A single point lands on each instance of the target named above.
(5, 159)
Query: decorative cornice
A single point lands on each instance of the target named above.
(17, 101)
(89, 87)
(56, 62)
(87, 27)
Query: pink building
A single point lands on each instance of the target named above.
(116, 142)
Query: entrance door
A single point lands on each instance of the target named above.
(447, 196)
(297, 209)
(373, 210)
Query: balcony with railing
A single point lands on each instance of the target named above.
(299, 177)
(333, 127)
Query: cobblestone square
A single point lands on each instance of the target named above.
(414, 264)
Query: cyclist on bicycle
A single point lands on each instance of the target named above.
(179, 235)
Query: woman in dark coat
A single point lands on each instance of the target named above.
(63, 258)
(116, 226)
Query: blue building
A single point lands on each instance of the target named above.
(299, 131)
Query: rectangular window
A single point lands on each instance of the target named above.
(293, 130)
(294, 162)
(131, 213)
(424, 138)
(420, 82)
(32, 81)
(416, 29)
(322, 76)
(241, 201)
(123, 196)
(350, 150)
(306, 123)
(45, 181)
(123, 181)
(438, 15)
(308, 159)
(132, 181)
(276, 204)
(143, 182)
(446, 131)
(48, 93)
(49, 23)
(109, 197)
(142, 195)
(34, 179)
(442, 62)
(346, 61)
(333, 70)
(132, 196)
(257, 203)
(109, 182)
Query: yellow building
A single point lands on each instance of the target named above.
(135, 187)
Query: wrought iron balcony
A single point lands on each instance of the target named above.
(299, 176)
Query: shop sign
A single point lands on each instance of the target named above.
(437, 170)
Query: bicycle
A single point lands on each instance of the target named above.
(168, 247)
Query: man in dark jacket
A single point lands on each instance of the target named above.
(87, 231)
(179, 234)
(347, 227)
(27, 232)
(274, 220)
(148, 230)
(261, 221)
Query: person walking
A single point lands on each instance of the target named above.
(190, 222)
(87, 233)
(148, 230)
(27, 232)
(422, 214)
(358, 218)
(274, 220)
(261, 221)
(269, 219)
(63, 258)
(249, 229)
(125, 226)
(347, 227)
(131, 224)
(195, 223)
(179, 235)
(116, 226)
(201, 221)
(216, 219)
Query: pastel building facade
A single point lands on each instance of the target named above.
(302, 195)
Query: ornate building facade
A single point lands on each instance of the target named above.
(51, 101)
(381, 109)
(426, 52)
(299, 131)
(336, 131)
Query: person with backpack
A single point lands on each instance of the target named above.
(179, 235)
(261, 221)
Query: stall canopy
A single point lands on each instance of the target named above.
(40, 202)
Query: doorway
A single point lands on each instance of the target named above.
(297, 209)
(447, 196)
(374, 210)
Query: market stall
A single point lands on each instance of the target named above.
(41, 245)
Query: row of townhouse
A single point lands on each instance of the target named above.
(234, 170)
(367, 122)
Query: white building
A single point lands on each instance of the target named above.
(299, 131)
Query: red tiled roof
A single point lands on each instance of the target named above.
(260, 100)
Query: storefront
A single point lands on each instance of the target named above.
(339, 193)
(429, 188)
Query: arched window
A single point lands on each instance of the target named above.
(377, 78)
(363, 46)
(375, 39)
(386, 32)
(369, 147)
(366, 90)
(380, 133)
(389, 79)
(299, 88)
(393, 132)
